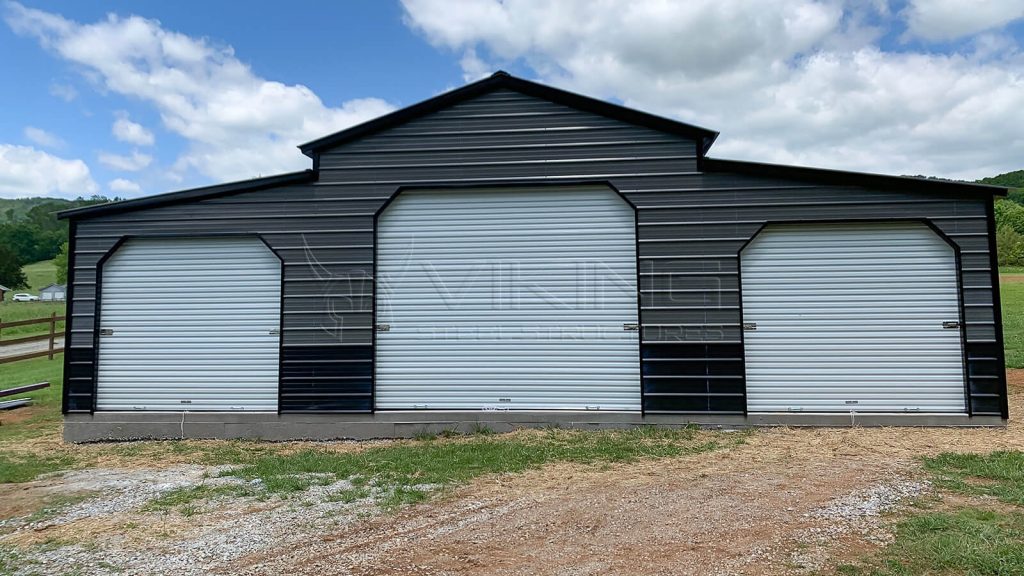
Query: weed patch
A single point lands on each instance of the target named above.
(969, 542)
(400, 471)
(999, 474)
(27, 467)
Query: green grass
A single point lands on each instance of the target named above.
(24, 467)
(999, 474)
(970, 540)
(46, 402)
(400, 470)
(40, 274)
(184, 499)
(1012, 297)
(14, 311)
(1011, 269)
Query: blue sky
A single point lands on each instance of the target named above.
(131, 98)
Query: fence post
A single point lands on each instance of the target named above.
(53, 330)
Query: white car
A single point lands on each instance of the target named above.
(23, 297)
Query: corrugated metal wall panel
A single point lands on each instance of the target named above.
(194, 325)
(680, 206)
(507, 299)
(850, 317)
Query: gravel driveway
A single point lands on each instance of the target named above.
(786, 501)
(8, 350)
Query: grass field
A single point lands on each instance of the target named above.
(1012, 296)
(39, 274)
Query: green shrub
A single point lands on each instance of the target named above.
(1009, 246)
(1010, 214)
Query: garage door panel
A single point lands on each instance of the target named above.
(193, 325)
(507, 298)
(850, 317)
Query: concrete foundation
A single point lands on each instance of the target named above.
(278, 427)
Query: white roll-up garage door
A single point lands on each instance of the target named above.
(507, 299)
(190, 324)
(848, 317)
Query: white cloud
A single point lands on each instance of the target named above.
(43, 138)
(26, 171)
(133, 133)
(124, 186)
(65, 92)
(238, 124)
(951, 19)
(129, 163)
(796, 81)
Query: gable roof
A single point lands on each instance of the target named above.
(502, 79)
(54, 285)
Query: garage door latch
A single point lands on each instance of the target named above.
(383, 327)
(106, 332)
(749, 326)
(631, 326)
(951, 325)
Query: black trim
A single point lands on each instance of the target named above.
(842, 177)
(192, 194)
(69, 299)
(997, 308)
(96, 315)
(961, 301)
(500, 80)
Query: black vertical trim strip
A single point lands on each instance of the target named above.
(69, 303)
(997, 307)
(639, 307)
(98, 318)
(743, 335)
(373, 306)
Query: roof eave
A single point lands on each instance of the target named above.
(866, 179)
(201, 193)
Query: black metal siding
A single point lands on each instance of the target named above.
(691, 226)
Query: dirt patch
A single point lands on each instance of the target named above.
(753, 509)
(13, 416)
(1015, 379)
(1011, 277)
(786, 501)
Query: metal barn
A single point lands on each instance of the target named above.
(511, 254)
(53, 292)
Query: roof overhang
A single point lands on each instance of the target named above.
(843, 177)
(191, 194)
(500, 80)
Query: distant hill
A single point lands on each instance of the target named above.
(29, 229)
(18, 208)
(1010, 179)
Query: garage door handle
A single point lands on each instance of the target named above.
(275, 332)
(106, 332)
(951, 325)
(630, 326)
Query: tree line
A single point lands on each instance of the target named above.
(30, 232)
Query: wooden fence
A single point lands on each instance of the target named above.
(51, 336)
